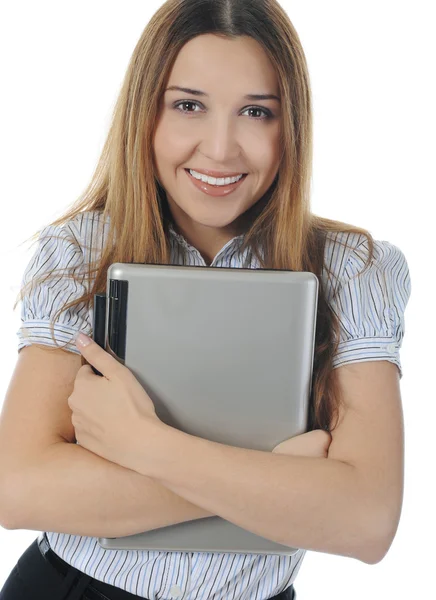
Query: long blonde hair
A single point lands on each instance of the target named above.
(124, 187)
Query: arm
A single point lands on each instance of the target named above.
(43, 474)
(348, 504)
(119, 501)
(312, 503)
(49, 483)
(71, 490)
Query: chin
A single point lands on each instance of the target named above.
(213, 221)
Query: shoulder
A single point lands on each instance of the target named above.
(83, 235)
(69, 245)
(368, 297)
(88, 228)
(346, 257)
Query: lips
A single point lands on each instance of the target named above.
(214, 190)
(216, 176)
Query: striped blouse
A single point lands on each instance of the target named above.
(371, 312)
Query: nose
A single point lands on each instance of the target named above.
(220, 142)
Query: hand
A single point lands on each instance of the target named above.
(113, 416)
(314, 444)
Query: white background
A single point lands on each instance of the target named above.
(62, 65)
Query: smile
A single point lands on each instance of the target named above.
(216, 190)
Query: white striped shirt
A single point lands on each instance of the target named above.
(371, 311)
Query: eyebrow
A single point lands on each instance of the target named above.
(200, 93)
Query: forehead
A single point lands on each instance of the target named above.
(209, 58)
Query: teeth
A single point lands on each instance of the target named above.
(214, 180)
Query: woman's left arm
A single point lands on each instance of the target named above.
(347, 504)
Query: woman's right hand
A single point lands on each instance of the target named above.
(314, 444)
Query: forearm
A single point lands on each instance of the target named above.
(72, 490)
(313, 503)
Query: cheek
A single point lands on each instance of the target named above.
(159, 146)
(170, 146)
(175, 130)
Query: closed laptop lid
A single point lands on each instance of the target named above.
(225, 354)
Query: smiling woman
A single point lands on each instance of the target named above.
(214, 89)
(221, 134)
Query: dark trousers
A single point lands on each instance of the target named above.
(35, 578)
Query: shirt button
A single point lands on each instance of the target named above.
(391, 348)
(175, 591)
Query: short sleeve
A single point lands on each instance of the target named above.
(371, 305)
(58, 248)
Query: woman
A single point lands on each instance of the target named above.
(211, 87)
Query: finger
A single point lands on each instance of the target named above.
(98, 357)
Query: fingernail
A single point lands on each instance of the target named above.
(82, 340)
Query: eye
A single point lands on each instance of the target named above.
(268, 114)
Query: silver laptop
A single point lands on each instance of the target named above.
(225, 354)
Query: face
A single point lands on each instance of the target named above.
(218, 130)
